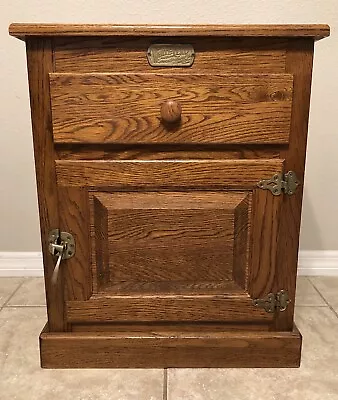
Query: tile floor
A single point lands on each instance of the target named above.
(22, 315)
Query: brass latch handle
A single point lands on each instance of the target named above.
(62, 246)
(59, 251)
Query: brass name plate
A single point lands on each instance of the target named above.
(171, 55)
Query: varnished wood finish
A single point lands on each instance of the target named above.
(174, 287)
(128, 54)
(174, 239)
(127, 108)
(188, 237)
(99, 243)
(74, 218)
(39, 64)
(266, 216)
(186, 327)
(143, 307)
(299, 63)
(170, 349)
(242, 243)
(85, 151)
(171, 111)
(313, 31)
(235, 174)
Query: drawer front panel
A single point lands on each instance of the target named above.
(126, 108)
(234, 55)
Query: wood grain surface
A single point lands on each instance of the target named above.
(265, 223)
(188, 237)
(99, 151)
(39, 64)
(184, 287)
(170, 349)
(126, 108)
(110, 308)
(235, 174)
(242, 241)
(128, 54)
(99, 243)
(74, 218)
(316, 31)
(299, 63)
(163, 327)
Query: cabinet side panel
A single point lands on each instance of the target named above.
(298, 62)
(39, 64)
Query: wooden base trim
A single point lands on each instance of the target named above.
(149, 349)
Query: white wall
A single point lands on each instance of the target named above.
(19, 230)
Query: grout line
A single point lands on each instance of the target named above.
(24, 306)
(165, 384)
(15, 291)
(328, 304)
(312, 305)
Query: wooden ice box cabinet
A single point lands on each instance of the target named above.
(170, 165)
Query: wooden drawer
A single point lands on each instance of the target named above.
(129, 54)
(216, 108)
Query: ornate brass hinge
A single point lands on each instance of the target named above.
(273, 302)
(276, 184)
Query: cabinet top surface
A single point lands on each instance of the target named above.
(21, 30)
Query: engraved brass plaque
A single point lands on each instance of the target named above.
(171, 55)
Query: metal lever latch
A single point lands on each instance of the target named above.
(61, 245)
(59, 251)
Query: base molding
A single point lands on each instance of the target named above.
(318, 263)
(240, 349)
(21, 263)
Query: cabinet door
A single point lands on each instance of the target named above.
(168, 241)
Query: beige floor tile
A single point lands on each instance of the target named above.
(328, 287)
(306, 294)
(21, 377)
(19, 313)
(7, 288)
(31, 293)
(316, 379)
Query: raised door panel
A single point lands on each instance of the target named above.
(170, 242)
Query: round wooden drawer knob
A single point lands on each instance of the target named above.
(171, 111)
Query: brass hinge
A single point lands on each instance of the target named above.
(276, 184)
(273, 302)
